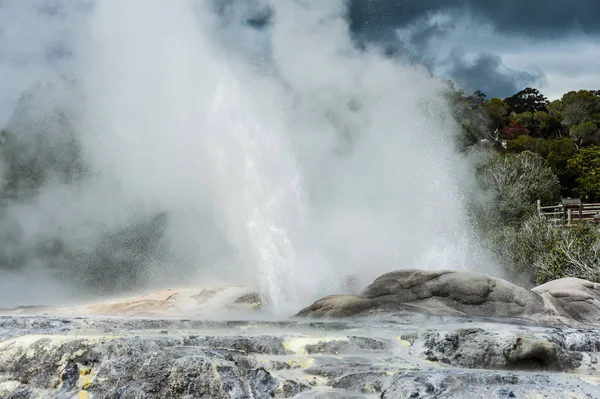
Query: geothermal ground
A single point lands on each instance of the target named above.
(172, 345)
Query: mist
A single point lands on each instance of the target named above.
(193, 149)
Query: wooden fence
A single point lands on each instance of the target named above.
(567, 215)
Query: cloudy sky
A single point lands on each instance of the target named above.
(498, 46)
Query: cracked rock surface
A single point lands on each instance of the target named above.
(437, 357)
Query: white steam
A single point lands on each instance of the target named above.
(319, 162)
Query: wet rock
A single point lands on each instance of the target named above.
(155, 366)
(365, 382)
(151, 358)
(267, 345)
(476, 348)
(476, 385)
(352, 345)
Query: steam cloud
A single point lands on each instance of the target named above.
(290, 160)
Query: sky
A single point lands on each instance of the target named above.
(498, 47)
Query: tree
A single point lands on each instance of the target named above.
(583, 133)
(469, 114)
(547, 125)
(514, 130)
(578, 107)
(526, 120)
(477, 99)
(527, 100)
(561, 151)
(528, 143)
(497, 111)
(555, 108)
(586, 164)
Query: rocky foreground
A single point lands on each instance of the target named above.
(405, 342)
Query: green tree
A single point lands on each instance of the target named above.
(527, 100)
(583, 133)
(497, 111)
(555, 108)
(547, 125)
(528, 143)
(586, 164)
(526, 120)
(561, 151)
(579, 107)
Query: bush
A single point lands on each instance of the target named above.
(528, 143)
(576, 253)
(519, 248)
(540, 252)
(516, 182)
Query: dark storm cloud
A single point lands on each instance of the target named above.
(377, 21)
(540, 18)
(486, 73)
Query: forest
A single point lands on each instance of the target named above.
(530, 149)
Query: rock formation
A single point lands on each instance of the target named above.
(454, 293)
(412, 334)
(131, 358)
(174, 302)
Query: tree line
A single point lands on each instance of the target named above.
(530, 149)
(565, 132)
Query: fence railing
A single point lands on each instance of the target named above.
(567, 215)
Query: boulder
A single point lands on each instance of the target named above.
(477, 348)
(572, 298)
(464, 294)
(453, 292)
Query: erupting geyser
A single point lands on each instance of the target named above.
(292, 164)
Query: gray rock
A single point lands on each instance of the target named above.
(459, 293)
(353, 345)
(65, 358)
(466, 294)
(572, 299)
(479, 385)
(158, 367)
(476, 348)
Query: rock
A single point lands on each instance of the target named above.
(96, 357)
(353, 345)
(336, 306)
(460, 293)
(464, 294)
(476, 348)
(153, 367)
(173, 302)
(474, 385)
(267, 345)
(572, 299)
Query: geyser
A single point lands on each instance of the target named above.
(291, 165)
